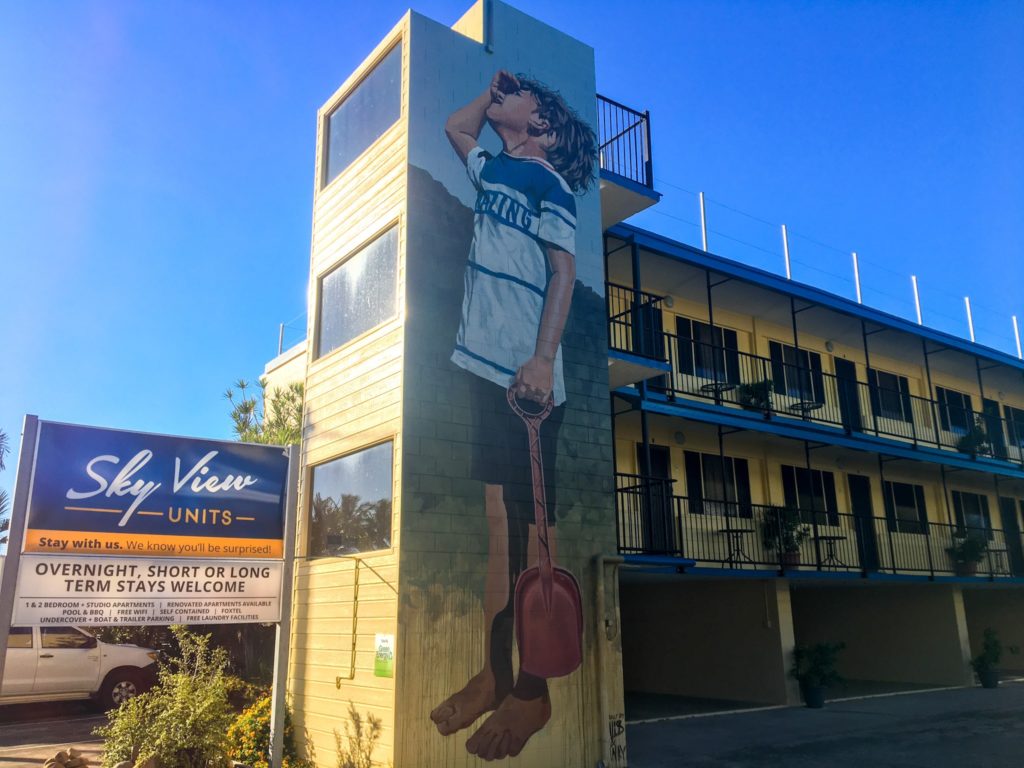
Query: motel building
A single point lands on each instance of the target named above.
(741, 463)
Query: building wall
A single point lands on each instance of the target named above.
(1003, 611)
(905, 634)
(353, 398)
(711, 639)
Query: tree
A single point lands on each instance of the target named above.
(5, 521)
(271, 419)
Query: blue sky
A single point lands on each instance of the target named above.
(157, 170)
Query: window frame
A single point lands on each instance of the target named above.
(318, 354)
(960, 513)
(820, 481)
(734, 482)
(947, 409)
(1014, 417)
(806, 369)
(308, 505)
(902, 392)
(337, 102)
(899, 524)
(724, 350)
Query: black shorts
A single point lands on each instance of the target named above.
(501, 450)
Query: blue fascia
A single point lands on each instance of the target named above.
(691, 255)
(632, 186)
(730, 417)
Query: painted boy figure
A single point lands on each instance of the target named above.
(519, 283)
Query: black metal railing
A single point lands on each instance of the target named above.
(624, 141)
(780, 389)
(634, 322)
(652, 520)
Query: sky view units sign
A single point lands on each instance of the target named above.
(134, 528)
(103, 491)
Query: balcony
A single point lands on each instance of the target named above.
(624, 154)
(651, 520)
(777, 388)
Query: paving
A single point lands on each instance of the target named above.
(31, 733)
(961, 728)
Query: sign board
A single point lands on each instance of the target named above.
(384, 656)
(105, 492)
(134, 528)
(105, 591)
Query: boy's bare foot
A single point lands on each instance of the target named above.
(504, 733)
(461, 709)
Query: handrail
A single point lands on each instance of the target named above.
(624, 141)
(650, 519)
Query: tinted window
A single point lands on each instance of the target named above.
(365, 114)
(20, 637)
(351, 503)
(65, 637)
(359, 294)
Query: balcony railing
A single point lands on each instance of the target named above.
(776, 388)
(633, 322)
(624, 141)
(653, 520)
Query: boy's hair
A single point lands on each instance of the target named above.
(575, 149)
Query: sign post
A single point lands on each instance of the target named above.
(282, 644)
(22, 480)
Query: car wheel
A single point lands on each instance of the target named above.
(120, 685)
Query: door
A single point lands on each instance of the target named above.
(657, 498)
(1011, 530)
(20, 666)
(849, 402)
(863, 511)
(994, 427)
(69, 661)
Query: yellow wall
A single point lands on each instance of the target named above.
(1003, 611)
(353, 400)
(710, 639)
(907, 634)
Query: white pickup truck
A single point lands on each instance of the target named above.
(57, 663)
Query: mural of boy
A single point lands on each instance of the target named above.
(518, 288)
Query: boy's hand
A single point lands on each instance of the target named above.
(503, 82)
(534, 380)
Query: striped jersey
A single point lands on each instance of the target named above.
(523, 206)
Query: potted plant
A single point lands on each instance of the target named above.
(814, 667)
(974, 441)
(967, 551)
(783, 531)
(985, 662)
(755, 395)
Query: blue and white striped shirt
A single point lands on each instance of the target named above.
(523, 207)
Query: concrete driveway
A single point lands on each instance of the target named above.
(962, 728)
(31, 733)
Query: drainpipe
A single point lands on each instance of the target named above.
(606, 630)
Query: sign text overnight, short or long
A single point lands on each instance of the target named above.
(78, 589)
(108, 492)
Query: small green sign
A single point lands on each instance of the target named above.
(384, 657)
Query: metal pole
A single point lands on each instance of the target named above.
(889, 523)
(936, 424)
(785, 251)
(917, 299)
(282, 644)
(280, 339)
(867, 366)
(16, 532)
(703, 223)
(814, 504)
(970, 319)
(1016, 336)
(856, 276)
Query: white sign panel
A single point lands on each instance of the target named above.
(98, 591)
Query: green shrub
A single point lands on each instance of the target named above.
(183, 720)
(249, 737)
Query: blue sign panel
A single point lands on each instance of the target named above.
(105, 491)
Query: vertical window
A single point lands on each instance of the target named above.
(359, 294)
(955, 410)
(371, 108)
(1015, 425)
(905, 508)
(708, 351)
(797, 372)
(813, 493)
(718, 487)
(890, 396)
(350, 507)
(972, 512)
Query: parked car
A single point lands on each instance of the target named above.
(61, 663)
